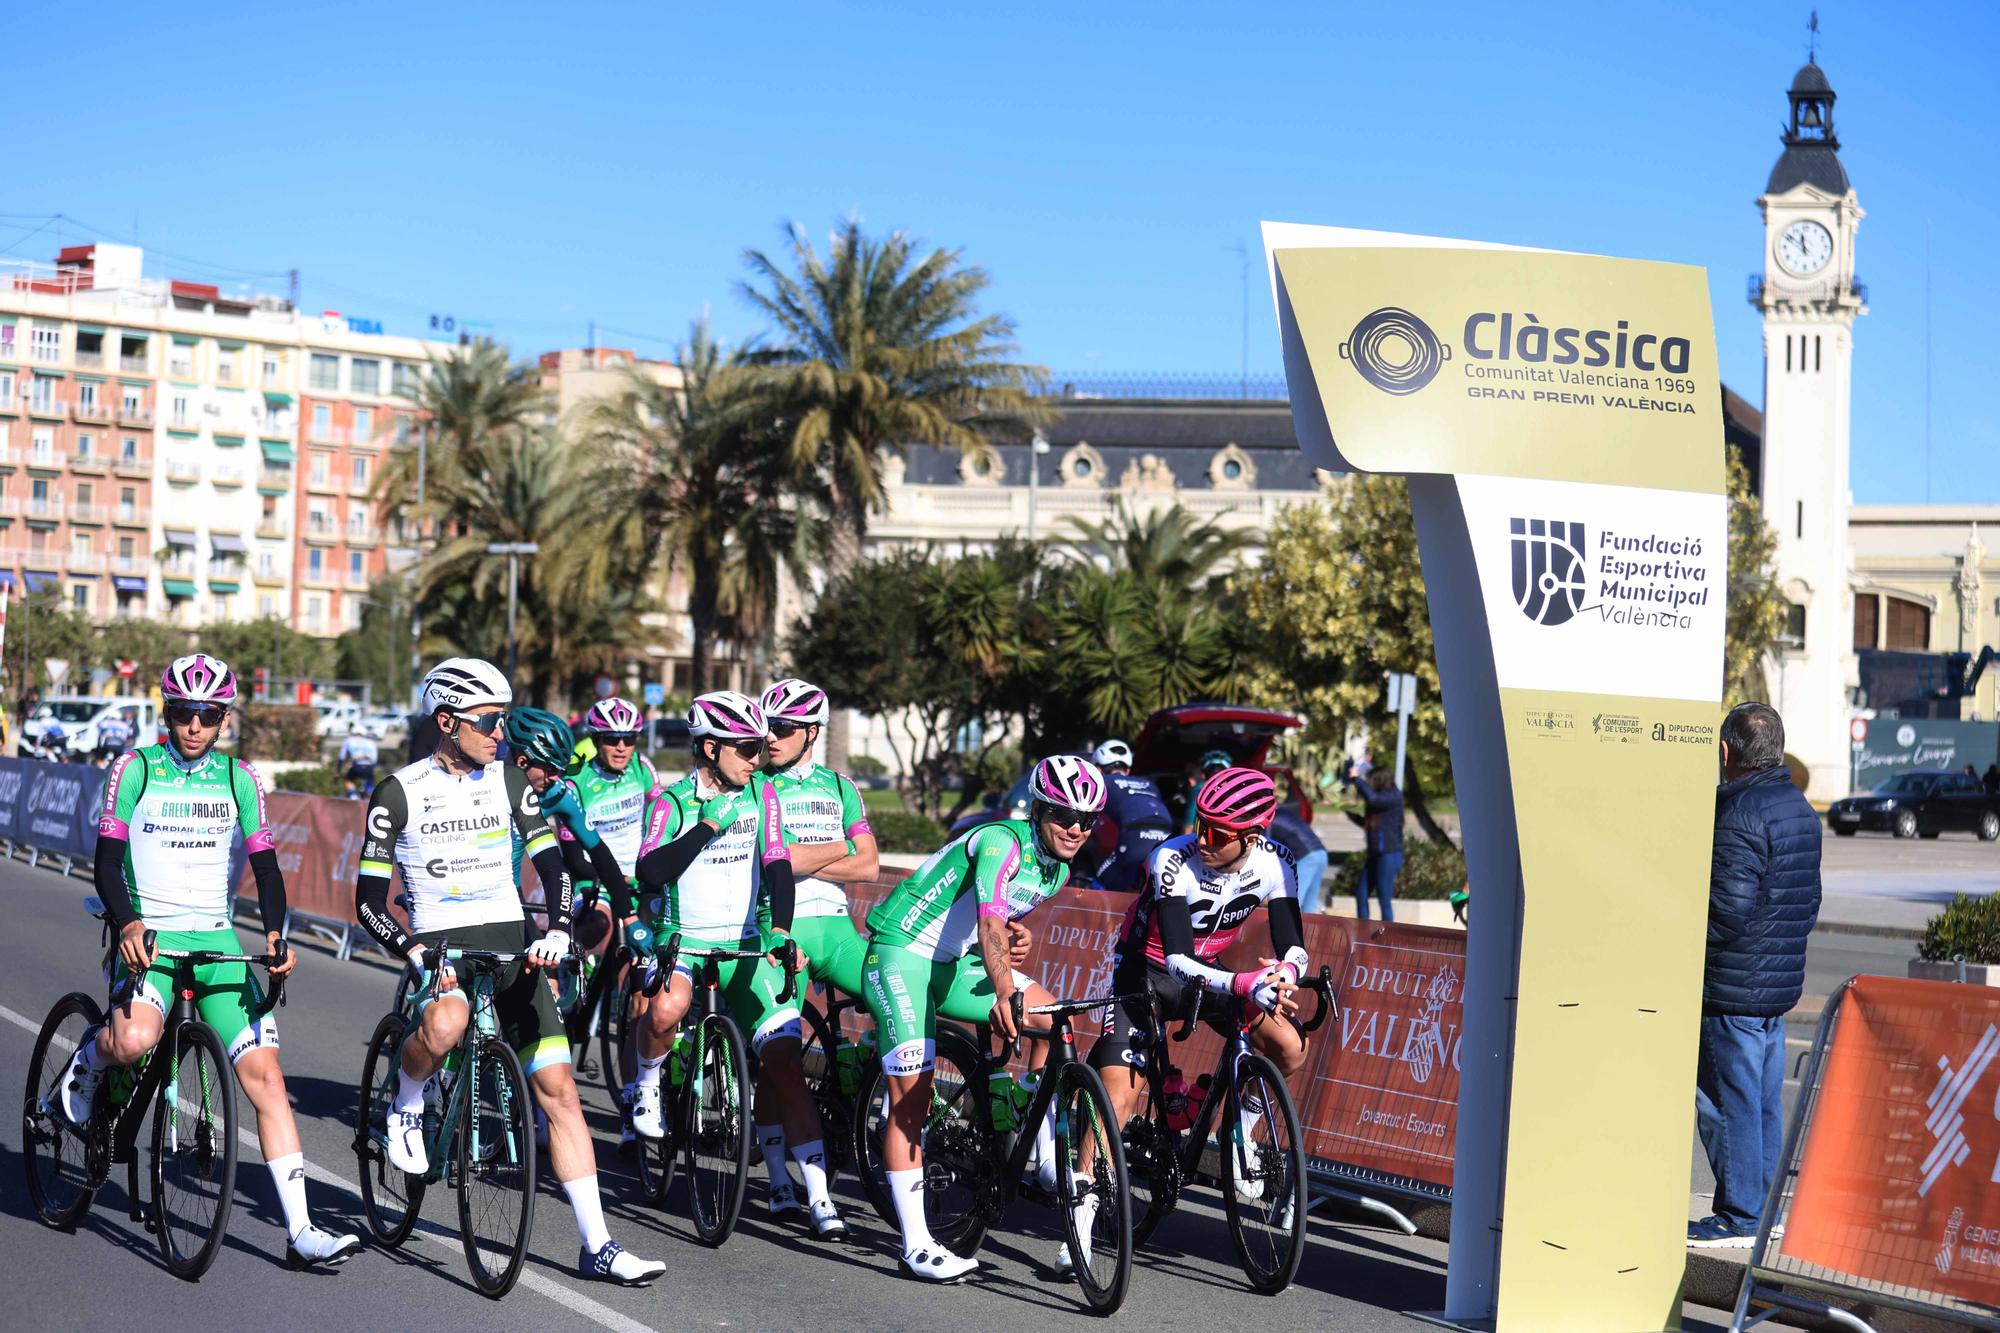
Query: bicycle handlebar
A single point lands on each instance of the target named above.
(1322, 986)
(671, 954)
(199, 957)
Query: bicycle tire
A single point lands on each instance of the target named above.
(1087, 1126)
(391, 1200)
(822, 1073)
(960, 1147)
(612, 1023)
(1269, 1233)
(198, 1132)
(56, 1157)
(496, 1131)
(717, 1128)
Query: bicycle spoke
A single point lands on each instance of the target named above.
(1263, 1178)
(194, 1151)
(496, 1162)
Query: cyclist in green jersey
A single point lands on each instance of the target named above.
(947, 941)
(540, 744)
(831, 845)
(163, 841)
(616, 786)
(716, 843)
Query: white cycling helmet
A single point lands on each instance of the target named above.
(794, 700)
(727, 715)
(613, 714)
(458, 683)
(198, 678)
(1113, 752)
(1067, 781)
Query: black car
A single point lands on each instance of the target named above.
(1923, 803)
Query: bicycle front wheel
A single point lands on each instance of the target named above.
(194, 1151)
(55, 1153)
(1092, 1191)
(718, 1128)
(960, 1148)
(390, 1200)
(1263, 1175)
(496, 1165)
(612, 1016)
(820, 1060)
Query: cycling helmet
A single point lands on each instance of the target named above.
(794, 700)
(726, 715)
(613, 714)
(1237, 800)
(1113, 752)
(198, 678)
(459, 683)
(545, 738)
(1067, 781)
(1215, 760)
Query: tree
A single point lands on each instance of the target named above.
(377, 652)
(472, 398)
(270, 643)
(1756, 607)
(1170, 545)
(882, 347)
(148, 644)
(41, 627)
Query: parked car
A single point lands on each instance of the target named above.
(1171, 742)
(1922, 803)
(79, 715)
(337, 717)
(379, 725)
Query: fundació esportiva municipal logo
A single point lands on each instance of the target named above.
(1549, 583)
(1394, 350)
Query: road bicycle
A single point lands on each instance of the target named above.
(478, 1129)
(836, 1069)
(974, 1162)
(705, 1092)
(185, 1080)
(1262, 1166)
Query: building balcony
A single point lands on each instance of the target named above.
(88, 511)
(226, 477)
(323, 486)
(178, 569)
(183, 474)
(275, 478)
(273, 527)
(49, 409)
(354, 582)
(89, 360)
(132, 516)
(182, 423)
(132, 467)
(9, 403)
(45, 509)
(85, 562)
(322, 533)
(47, 354)
(11, 455)
(227, 377)
(368, 536)
(269, 576)
(329, 434)
(130, 415)
(137, 565)
(229, 571)
(93, 414)
(89, 463)
(44, 459)
(319, 578)
(132, 365)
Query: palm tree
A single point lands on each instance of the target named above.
(696, 481)
(1169, 545)
(472, 398)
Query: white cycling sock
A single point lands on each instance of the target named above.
(589, 1209)
(907, 1189)
(1045, 1138)
(649, 1070)
(409, 1091)
(811, 1158)
(1250, 1110)
(288, 1173)
(771, 1141)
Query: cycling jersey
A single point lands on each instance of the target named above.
(1136, 821)
(819, 806)
(720, 896)
(359, 749)
(996, 869)
(451, 835)
(616, 804)
(1218, 901)
(178, 821)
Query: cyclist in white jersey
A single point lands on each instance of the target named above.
(447, 823)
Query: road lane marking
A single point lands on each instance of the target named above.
(540, 1283)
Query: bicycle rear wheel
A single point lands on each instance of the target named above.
(836, 1109)
(1264, 1175)
(960, 1147)
(718, 1128)
(611, 1020)
(1153, 1166)
(194, 1151)
(390, 1200)
(496, 1163)
(1092, 1191)
(54, 1153)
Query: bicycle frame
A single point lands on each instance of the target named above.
(464, 1082)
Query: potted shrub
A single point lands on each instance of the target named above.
(1969, 927)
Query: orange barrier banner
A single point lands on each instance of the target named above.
(1897, 1180)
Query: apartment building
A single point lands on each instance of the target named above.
(173, 450)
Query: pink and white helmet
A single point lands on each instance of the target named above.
(199, 678)
(727, 715)
(613, 714)
(1069, 782)
(794, 700)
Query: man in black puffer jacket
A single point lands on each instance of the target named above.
(1763, 899)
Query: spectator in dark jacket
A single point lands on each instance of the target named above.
(1290, 830)
(1763, 900)
(1383, 826)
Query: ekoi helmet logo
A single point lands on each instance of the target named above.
(1394, 350)
(1548, 561)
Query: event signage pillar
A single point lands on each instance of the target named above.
(1559, 419)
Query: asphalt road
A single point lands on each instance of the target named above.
(767, 1277)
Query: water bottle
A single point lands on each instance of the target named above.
(677, 1059)
(1183, 1103)
(1000, 1089)
(846, 1065)
(120, 1085)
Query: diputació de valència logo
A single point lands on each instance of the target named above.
(1394, 350)
(1548, 560)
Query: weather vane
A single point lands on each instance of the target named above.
(1812, 42)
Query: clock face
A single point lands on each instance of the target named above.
(1805, 247)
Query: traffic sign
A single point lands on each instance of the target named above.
(127, 668)
(656, 694)
(1857, 730)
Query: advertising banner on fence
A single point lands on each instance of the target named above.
(13, 784)
(1897, 1179)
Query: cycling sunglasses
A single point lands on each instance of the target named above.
(1064, 817)
(1213, 836)
(617, 738)
(743, 749)
(209, 715)
(485, 723)
(783, 730)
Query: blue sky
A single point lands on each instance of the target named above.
(536, 168)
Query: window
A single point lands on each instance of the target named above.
(128, 451)
(267, 606)
(1795, 626)
(354, 574)
(402, 428)
(7, 345)
(79, 597)
(218, 609)
(318, 522)
(403, 380)
(42, 449)
(322, 421)
(129, 399)
(354, 613)
(365, 376)
(45, 343)
(125, 548)
(131, 352)
(319, 469)
(267, 562)
(360, 474)
(1867, 616)
(323, 372)
(315, 613)
(225, 365)
(1909, 627)
(273, 368)
(315, 563)
(86, 444)
(6, 387)
(364, 423)
(79, 543)
(180, 359)
(128, 501)
(177, 412)
(86, 395)
(42, 396)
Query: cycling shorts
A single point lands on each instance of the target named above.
(750, 987)
(835, 951)
(1124, 1041)
(908, 991)
(224, 993)
(524, 998)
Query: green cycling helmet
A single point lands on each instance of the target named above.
(542, 736)
(1216, 759)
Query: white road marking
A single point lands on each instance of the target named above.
(540, 1283)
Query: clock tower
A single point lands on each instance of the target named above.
(1809, 299)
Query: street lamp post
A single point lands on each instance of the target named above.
(1036, 448)
(513, 551)
(416, 633)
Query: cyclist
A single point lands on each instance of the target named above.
(443, 821)
(716, 841)
(1135, 820)
(1199, 890)
(827, 833)
(540, 744)
(1211, 763)
(114, 734)
(169, 815)
(358, 755)
(945, 941)
(616, 787)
